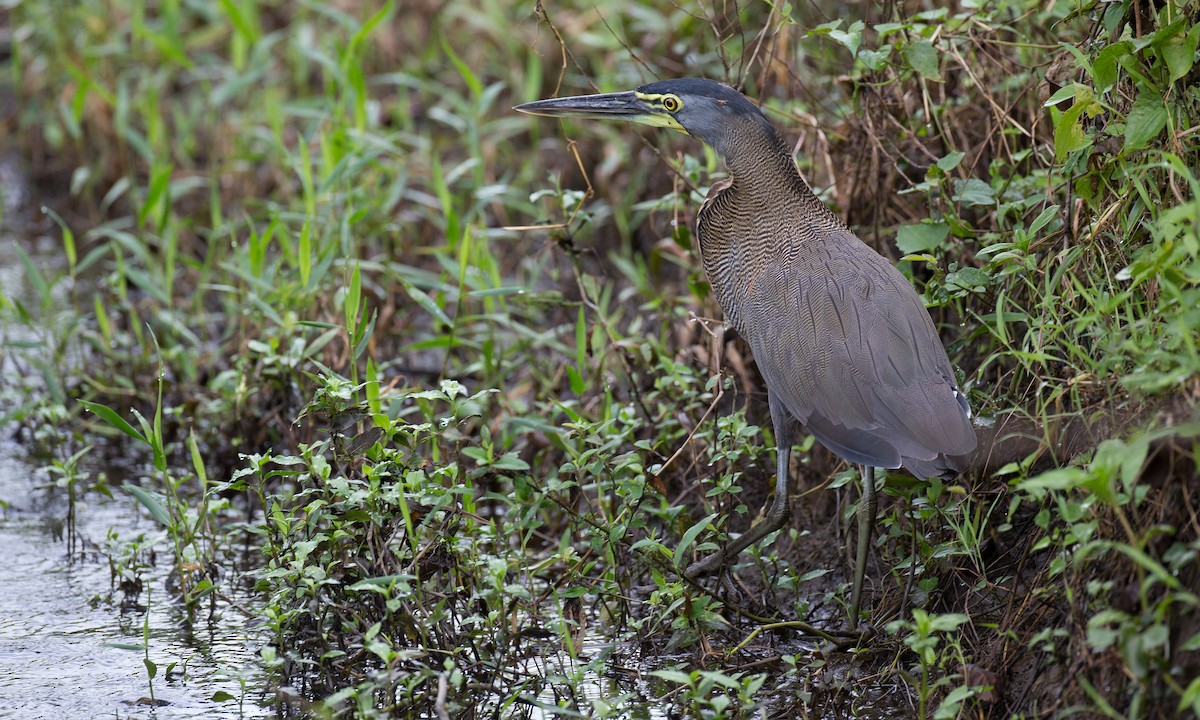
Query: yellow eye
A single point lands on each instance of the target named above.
(671, 103)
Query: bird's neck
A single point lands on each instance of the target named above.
(769, 170)
(764, 173)
(753, 148)
(773, 179)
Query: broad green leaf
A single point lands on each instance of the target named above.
(1100, 633)
(1146, 119)
(367, 28)
(850, 38)
(1100, 483)
(921, 237)
(352, 298)
(885, 29)
(1148, 563)
(427, 304)
(1107, 63)
(158, 196)
(969, 278)
(304, 251)
(366, 328)
(974, 191)
(1057, 479)
(371, 387)
(875, 60)
(947, 622)
(1068, 133)
(68, 237)
(673, 676)
(197, 459)
(950, 161)
(518, 591)
(951, 706)
(246, 24)
(497, 291)
(1132, 462)
(923, 57)
(463, 68)
(1192, 644)
(510, 461)
(825, 28)
(1177, 47)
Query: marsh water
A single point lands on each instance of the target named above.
(72, 643)
(67, 652)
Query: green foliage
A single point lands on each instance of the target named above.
(715, 695)
(931, 639)
(462, 443)
(1075, 501)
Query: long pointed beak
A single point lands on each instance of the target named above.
(614, 106)
(625, 106)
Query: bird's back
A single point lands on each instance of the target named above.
(840, 336)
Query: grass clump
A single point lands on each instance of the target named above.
(469, 460)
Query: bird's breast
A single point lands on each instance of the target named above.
(746, 242)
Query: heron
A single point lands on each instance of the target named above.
(845, 345)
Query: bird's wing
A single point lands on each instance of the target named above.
(847, 345)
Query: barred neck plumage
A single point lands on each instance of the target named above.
(763, 215)
(763, 170)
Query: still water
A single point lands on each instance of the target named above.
(67, 648)
(66, 653)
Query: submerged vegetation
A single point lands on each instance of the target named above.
(445, 386)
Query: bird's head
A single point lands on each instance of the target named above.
(704, 109)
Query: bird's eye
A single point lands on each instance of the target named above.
(671, 103)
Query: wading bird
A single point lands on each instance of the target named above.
(844, 343)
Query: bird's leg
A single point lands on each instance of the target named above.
(866, 525)
(777, 513)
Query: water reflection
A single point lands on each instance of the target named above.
(66, 649)
(65, 652)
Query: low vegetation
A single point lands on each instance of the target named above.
(455, 379)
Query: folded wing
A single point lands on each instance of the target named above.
(846, 344)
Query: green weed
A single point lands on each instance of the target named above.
(461, 383)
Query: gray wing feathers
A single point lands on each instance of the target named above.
(850, 349)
